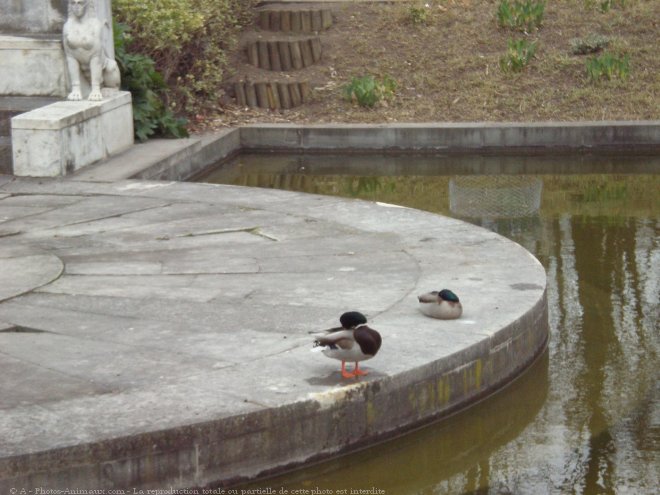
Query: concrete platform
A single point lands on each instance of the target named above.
(155, 334)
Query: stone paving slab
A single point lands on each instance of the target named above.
(157, 333)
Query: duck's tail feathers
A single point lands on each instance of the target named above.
(327, 330)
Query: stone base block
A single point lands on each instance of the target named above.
(32, 66)
(63, 137)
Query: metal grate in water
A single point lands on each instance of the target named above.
(495, 196)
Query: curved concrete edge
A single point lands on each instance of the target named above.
(22, 272)
(264, 441)
(270, 441)
(364, 414)
(182, 159)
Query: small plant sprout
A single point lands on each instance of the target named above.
(521, 15)
(607, 5)
(518, 55)
(419, 14)
(608, 66)
(367, 92)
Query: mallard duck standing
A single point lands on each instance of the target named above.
(354, 341)
(442, 304)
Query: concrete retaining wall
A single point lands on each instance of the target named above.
(193, 156)
(189, 160)
(454, 136)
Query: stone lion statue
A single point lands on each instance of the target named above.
(83, 35)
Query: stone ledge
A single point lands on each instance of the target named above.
(520, 138)
(453, 136)
(61, 114)
(63, 137)
(44, 42)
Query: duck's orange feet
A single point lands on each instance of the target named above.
(358, 372)
(345, 373)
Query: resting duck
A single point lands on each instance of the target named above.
(443, 304)
(354, 341)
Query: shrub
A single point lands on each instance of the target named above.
(593, 43)
(188, 41)
(164, 25)
(138, 75)
(518, 55)
(367, 91)
(521, 15)
(608, 66)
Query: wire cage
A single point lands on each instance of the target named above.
(495, 196)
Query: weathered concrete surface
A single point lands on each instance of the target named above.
(173, 350)
(166, 159)
(23, 272)
(32, 16)
(482, 136)
(66, 136)
(32, 66)
(181, 159)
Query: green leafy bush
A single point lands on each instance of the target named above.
(521, 15)
(518, 55)
(593, 43)
(608, 66)
(188, 41)
(138, 75)
(165, 25)
(367, 91)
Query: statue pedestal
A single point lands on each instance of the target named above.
(60, 138)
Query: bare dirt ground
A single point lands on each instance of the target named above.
(447, 69)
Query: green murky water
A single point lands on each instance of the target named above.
(585, 419)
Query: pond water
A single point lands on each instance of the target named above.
(585, 418)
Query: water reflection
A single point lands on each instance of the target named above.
(603, 350)
(416, 462)
(587, 419)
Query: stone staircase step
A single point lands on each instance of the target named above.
(286, 54)
(292, 19)
(273, 95)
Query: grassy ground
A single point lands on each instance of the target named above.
(448, 67)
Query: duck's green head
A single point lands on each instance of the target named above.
(447, 295)
(352, 319)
